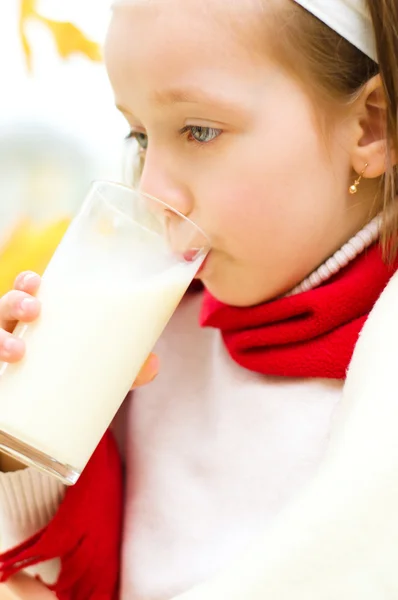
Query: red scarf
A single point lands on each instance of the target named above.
(312, 334)
(308, 335)
(85, 533)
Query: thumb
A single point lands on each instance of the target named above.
(148, 371)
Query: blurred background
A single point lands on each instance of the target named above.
(59, 129)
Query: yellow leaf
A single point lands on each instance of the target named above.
(29, 247)
(26, 50)
(70, 40)
(27, 11)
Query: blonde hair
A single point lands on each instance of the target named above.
(335, 71)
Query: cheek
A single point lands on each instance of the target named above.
(234, 207)
(264, 185)
(268, 196)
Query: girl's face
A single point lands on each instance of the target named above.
(232, 142)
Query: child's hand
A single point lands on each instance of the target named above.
(148, 371)
(17, 305)
(21, 305)
(24, 587)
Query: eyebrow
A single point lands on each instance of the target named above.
(190, 96)
(123, 110)
(179, 95)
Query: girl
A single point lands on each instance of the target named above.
(273, 125)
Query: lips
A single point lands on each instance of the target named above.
(202, 267)
(190, 255)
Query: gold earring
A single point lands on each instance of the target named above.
(354, 187)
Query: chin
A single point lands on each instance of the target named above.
(240, 296)
(236, 286)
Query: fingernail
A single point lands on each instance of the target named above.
(153, 377)
(12, 345)
(28, 303)
(30, 277)
(153, 366)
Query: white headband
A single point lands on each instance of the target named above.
(349, 18)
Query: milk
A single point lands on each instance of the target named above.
(100, 319)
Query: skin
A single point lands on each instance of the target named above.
(270, 193)
(250, 165)
(23, 587)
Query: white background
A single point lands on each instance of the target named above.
(71, 100)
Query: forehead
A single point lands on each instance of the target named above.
(169, 34)
(154, 45)
(233, 6)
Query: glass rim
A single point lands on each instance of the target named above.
(124, 186)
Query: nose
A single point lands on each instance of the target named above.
(162, 179)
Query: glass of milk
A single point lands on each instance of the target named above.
(112, 285)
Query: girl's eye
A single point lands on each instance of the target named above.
(141, 139)
(195, 133)
(202, 135)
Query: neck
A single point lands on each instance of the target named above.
(353, 248)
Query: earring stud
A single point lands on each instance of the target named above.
(354, 187)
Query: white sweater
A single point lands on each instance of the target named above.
(212, 451)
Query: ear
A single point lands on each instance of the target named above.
(372, 146)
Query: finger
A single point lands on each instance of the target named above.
(148, 372)
(12, 349)
(18, 306)
(28, 282)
